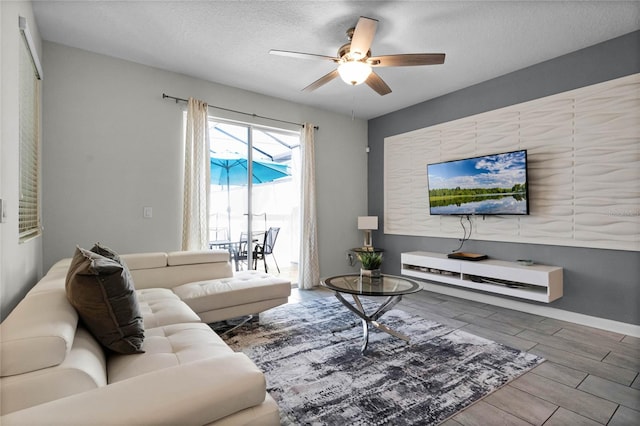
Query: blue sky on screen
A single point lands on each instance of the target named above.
(491, 171)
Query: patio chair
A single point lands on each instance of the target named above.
(240, 250)
(261, 251)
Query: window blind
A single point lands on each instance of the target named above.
(28, 205)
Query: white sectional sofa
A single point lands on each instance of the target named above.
(54, 372)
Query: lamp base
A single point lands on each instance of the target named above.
(368, 241)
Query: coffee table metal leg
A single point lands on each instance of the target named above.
(367, 319)
(356, 299)
(351, 307)
(365, 335)
(365, 324)
(391, 331)
(386, 306)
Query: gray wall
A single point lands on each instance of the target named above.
(601, 283)
(112, 145)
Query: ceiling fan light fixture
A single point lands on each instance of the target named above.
(354, 59)
(354, 72)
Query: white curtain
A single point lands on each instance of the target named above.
(197, 178)
(309, 270)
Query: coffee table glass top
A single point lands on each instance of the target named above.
(386, 285)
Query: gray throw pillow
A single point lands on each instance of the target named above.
(101, 290)
(107, 252)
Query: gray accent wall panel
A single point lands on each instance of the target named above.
(601, 283)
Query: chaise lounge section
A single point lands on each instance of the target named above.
(54, 371)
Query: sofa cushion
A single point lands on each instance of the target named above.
(196, 393)
(171, 276)
(102, 292)
(145, 260)
(244, 288)
(45, 285)
(59, 269)
(176, 258)
(159, 307)
(38, 333)
(168, 346)
(83, 369)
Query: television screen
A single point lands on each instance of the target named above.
(487, 185)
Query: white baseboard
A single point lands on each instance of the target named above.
(547, 311)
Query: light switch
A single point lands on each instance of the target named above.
(147, 212)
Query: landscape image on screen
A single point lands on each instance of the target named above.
(491, 184)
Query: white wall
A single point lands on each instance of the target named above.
(112, 145)
(20, 264)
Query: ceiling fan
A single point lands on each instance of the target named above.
(355, 62)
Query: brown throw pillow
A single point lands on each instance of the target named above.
(101, 290)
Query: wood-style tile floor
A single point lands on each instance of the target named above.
(590, 377)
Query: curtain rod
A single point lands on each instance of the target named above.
(165, 96)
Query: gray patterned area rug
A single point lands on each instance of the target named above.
(310, 354)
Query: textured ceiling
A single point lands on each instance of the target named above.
(228, 41)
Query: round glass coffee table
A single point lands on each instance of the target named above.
(390, 286)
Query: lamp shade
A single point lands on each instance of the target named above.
(354, 72)
(367, 222)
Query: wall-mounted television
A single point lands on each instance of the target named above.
(487, 185)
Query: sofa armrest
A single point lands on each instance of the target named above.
(197, 393)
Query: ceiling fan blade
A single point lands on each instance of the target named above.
(362, 37)
(302, 55)
(321, 81)
(409, 59)
(376, 83)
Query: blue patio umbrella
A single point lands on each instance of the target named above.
(231, 169)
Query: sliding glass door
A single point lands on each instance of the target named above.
(243, 209)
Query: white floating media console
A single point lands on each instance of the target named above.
(536, 282)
